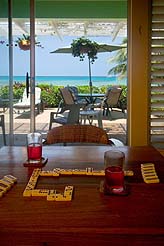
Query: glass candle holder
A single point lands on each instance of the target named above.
(114, 179)
(34, 147)
(114, 158)
(114, 173)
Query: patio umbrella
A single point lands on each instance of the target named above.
(102, 48)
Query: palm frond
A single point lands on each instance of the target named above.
(120, 62)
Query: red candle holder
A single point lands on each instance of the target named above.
(34, 151)
(114, 181)
(114, 158)
(34, 147)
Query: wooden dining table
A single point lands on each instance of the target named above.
(91, 217)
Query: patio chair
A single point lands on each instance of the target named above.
(111, 100)
(74, 91)
(24, 103)
(2, 125)
(68, 99)
(72, 118)
(75, 94)
(77, 134)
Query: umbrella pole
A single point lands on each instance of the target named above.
(90, 81)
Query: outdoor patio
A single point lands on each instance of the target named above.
(116, 128)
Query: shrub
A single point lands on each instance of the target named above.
(51, 96)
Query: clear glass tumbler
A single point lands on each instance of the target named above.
(114, 173)
(114, 178)
(34, 147)
(114, 158)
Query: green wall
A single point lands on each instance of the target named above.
(67, 9)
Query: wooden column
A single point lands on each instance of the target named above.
(138, 72)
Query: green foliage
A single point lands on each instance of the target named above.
(17, 91)
(83, 89)
(24, 37)
(123, 97)
(120, 62)
(82, 46)
(25, 40)
(51, 96)
(4, 92)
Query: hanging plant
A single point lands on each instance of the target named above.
(24, 42)
(83, 46)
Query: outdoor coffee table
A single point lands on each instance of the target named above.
(90, 115)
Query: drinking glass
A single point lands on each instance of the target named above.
(114, 173)
(34, 147)
(114, 158)
(114, 179)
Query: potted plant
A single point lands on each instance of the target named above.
(24, 42)
(83, 46)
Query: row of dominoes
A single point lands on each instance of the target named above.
(6, 183)
(51, 195)
(66, 196)
(59, 171)
(149, 173)
(32, 182)
(88, 171)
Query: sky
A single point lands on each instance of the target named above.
(47, 64)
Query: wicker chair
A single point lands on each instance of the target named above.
(77, 134)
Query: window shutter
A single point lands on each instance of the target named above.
(157, 75)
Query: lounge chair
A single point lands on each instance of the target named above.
(24, 103)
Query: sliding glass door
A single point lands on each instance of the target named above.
(17, 74)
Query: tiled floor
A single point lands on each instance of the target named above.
(116, 128)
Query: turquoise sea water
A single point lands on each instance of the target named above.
(68, 80)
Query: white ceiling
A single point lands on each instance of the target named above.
(66, 27)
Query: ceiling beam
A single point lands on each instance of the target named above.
(116, 30)
(21, 25)
(55, 27)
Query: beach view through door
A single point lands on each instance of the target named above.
(53, 71)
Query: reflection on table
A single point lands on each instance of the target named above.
(91, 218)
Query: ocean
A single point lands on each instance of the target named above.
(68, 80)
